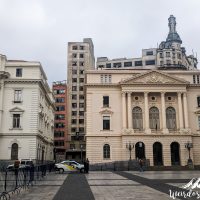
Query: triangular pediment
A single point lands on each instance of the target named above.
(16, 109)
(154, 77)
(106, 111)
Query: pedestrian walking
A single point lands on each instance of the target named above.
(141, 165)
(32, 170)
(87, 165)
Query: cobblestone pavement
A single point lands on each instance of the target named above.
(44, 189)
(149, 185)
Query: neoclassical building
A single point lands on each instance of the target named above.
(26, 111)
(155, 109)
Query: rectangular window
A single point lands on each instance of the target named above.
(138, 63)
(60, 100)
(74, 55)
(81, 63)
(150, 62)
(168, 54)
(198, 79)
(81, 55)
(74, 105)
(179, 56)
(73, 121)
(161, 55)
(81, 80)
(74, 47)
(59, 125)
(74, 88)
(81, 71)
(199, 121)
(106, 123)
(161, 62)
(16, 121)
(149, 53)
(74, 80)
(108, 65)
(81, 88)
(73, 130)
(59, 143)
(198, 101)
(74, 96)
(74, 113)
(59, 117)
(74, 71)
(194, 79)
(74, 63)
(60, 108)
(60, 91)
(81, 96)
(81, 105)
(105, 101)
(59, 134)
(81, 113)
(168, 62)
(117, 65)
(81, 121)
(127, 64)
(19, 72)
(18, 96)
(81, 47)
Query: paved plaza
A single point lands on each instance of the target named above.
(105, 185)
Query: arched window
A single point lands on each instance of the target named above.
(106, 151)
(137, 118)
(14, 151)
(154, 118)
(171, 118)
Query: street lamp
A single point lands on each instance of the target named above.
(130, 147)
(81, 146)
(188, 146)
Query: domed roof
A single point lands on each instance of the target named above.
(173, 36)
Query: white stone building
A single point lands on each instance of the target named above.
(153, 108)
(26, 111)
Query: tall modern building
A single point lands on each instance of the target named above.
(80, 59)
(151, 105)
(26, 111)
(60, 127)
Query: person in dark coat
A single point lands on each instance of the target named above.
(87, 165)
(141, 165)
(32, 169)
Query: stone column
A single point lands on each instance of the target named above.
(1, 101)
(180, 111)
(146, 113)
(185, 110)
(123, 110)
(129, 112)
(164, 127)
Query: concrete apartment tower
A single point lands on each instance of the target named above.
(80, 59)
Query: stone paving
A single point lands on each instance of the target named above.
(148, 185)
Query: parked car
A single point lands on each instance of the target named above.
(25, 163)
(69, 166)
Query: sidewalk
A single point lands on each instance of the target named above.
(44, 189)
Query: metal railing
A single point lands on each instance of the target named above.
(16, 179)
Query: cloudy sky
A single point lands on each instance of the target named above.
(39, 30)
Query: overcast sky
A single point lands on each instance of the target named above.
(39, 30)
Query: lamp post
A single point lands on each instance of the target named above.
(130, 147)
(188, 146)
(81, 147)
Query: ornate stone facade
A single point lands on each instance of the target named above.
(166, 119)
